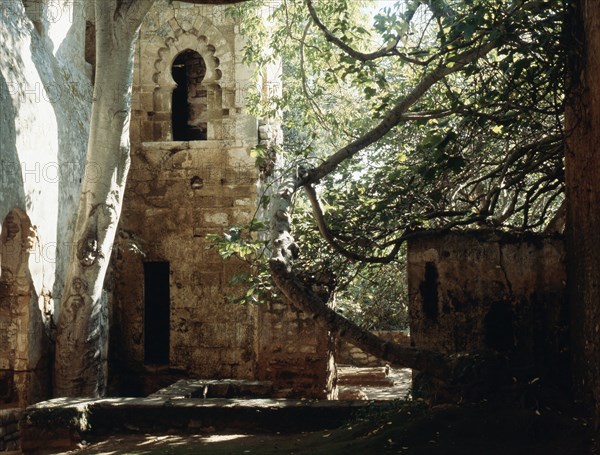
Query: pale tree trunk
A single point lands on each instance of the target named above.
(582, 166)
(81, 340)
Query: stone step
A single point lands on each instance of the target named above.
(63, 422)
(366, 377)
(216, 388)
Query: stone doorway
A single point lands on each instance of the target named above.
(157, 302)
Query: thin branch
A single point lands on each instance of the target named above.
(394, 116)
(386, 51)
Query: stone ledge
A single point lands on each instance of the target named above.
(63, 422)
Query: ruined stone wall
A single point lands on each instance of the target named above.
(24, 342)
(177, 194)
(165, 219)
(478, 291)
(295, 353)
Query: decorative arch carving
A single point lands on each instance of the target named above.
(173, 47)
(218, 59)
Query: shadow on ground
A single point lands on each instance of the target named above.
(406, 428)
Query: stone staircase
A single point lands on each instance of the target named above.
(375, 383)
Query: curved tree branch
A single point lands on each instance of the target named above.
(386, 51)
(326, 233)
(284, 248)
(396, 114)
(432, 362)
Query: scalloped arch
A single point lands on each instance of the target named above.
(215, 52)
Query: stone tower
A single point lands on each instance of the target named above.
(192, 174)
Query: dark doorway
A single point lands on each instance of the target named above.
(429, 292)
(189, 98)
(156, 313)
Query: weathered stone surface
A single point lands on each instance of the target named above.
(46, 426)
(375, 377)
(477, 291)
(179, 192)
(218, 388)
(348, 354)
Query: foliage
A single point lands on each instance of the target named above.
(377, 297)
(480, 148)
(253, 284)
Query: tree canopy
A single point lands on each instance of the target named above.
(420, 115)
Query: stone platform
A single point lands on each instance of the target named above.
(60, 424)
(216, 388)
(200, 406)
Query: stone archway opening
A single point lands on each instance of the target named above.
(189, 103)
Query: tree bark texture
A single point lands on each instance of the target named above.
(81, 340)
(582, 175)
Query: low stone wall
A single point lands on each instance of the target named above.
(294, 353)
(10, 434)
(348, 354)
(59, 425)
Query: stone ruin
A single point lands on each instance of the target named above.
(192, 175)
(486, 291)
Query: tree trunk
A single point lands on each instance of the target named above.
(582, 167)
(81, 340)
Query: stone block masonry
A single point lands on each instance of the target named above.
(170, 315)
(488, 291)
(10, 434)
(348, 354)
(294, 352)
(178, 192)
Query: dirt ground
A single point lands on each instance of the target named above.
(405, 428)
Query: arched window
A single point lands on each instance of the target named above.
(189, 104)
